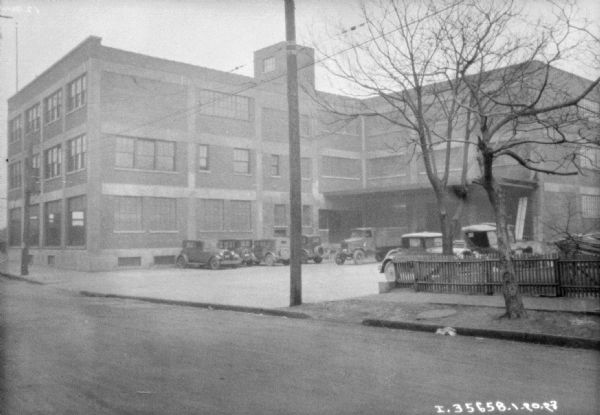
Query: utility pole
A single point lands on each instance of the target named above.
(27, 167)
(294, 142)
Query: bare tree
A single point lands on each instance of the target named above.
(446, 69)
(398, 62)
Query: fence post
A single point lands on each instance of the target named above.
(489, 288)
(417, 272)
(558, 276)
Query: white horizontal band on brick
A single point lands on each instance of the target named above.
(121, 189)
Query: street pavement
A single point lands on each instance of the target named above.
(68, 354)
(257, 286)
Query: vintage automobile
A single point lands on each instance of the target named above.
(271, 251)
(482, 239)
(242, 247)
(195, 253)
(312, 249)
(366, 242)
(419, 243)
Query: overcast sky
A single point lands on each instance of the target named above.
(220, 34)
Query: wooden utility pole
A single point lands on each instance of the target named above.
(294, 140)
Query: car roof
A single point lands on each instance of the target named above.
(480, 227)
(422, 235)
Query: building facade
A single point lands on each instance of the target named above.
(132, 154)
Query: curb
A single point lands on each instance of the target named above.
(20, 278)
(547, 339)
(209, 306)
(583, 312)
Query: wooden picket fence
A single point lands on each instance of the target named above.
(536, 275)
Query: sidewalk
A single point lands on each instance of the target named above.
(560, 321)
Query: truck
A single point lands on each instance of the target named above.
(482, 238)
(369, 241)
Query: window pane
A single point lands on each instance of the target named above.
(162, 213)
(240, 215)
(209, 214)
(53, 223)
(76, 226)
(128, 213)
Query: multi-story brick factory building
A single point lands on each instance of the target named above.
(132, 154)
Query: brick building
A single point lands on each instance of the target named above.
(132, 154)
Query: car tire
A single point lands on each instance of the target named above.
(318, 259)
(389, 270)
(285, 262)
(181, 262)
(340, 259)
(214, 263)
(269, 260)
(358, 257)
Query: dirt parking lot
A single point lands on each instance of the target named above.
(255, 286)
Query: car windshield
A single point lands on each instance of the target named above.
(433, 242)
(360, 233)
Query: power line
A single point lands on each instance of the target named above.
(254, 85)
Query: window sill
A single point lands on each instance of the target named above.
(146, 171)
(243, 174)
(75, 171)
(204, 171)
(136, 232)
(75, 109)
(47, 124)
(172, 231)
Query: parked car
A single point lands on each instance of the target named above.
(272, 251)
(483, 239)
(418, 243)
(365, 242)
(195, 253)
(242, 247)
(312, 249)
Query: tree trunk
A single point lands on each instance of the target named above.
(510, 288)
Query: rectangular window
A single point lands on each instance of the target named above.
(128, 213)
(241, 160)
(76, 221)
(269, 64)
(32, 119)
(240, 215)
(14, 175)
(76, 93)
(340, 167)
(306, 168)
(210, 215)
(275, 165)
(590, 206)
(145, 154)
(53, 223)
(224, 105)
(589, 157)
(52, 106)
(34, 225)
(280, 216)
(203, 157)
(124, 152)
(76, 149)
(161, 213)
(307, 220)
(388, 166)
(280, 222)
(14, 227)
(15, 129)
(53, 159)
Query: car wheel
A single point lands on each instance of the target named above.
(340, 259)
(214, 263)
(390, 271)
(286, 262)
(359, 257)
(181, 262)
(318, 259)
(269, 260)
